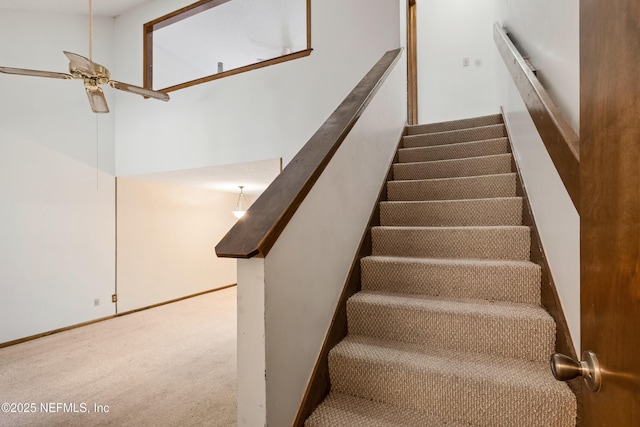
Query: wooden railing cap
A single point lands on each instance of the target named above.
(257, 231)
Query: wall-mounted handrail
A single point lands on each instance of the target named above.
(559, 138)
(256, 232)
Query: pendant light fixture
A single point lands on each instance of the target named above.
(241, 206)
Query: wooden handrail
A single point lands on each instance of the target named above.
(559, 138)
(257, 231)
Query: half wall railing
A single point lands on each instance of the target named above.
(257, 231)
(298, 243)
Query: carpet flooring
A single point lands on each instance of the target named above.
(448, 329)
(173, 365)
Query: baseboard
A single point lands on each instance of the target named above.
(102, 319)
(55, 331)
(549, 294)
(319, 385)
(124, 313)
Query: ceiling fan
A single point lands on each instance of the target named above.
(92, 73)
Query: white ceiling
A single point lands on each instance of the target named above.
(255, 176)
(100, 7)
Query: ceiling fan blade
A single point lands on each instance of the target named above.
(86, 67)
(139, 90)
(35, 73)
(78, 61)
(96, 98)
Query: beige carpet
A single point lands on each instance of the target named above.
(455, 136)
(174, 365)
(495, 119)
(448, 329)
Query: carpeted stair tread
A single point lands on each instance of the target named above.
(342, 410)
(470, 212)
(473, 166)
(474, 187)
(454, 136)
(496, 280)
(448, 329)
(503, 329)
(493, 242)
(493, 119)
(478, 389)
(454, 151)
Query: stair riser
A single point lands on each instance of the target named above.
(448, 328)
(474, 400)
(349, 411)
(453, 189)
(454, 151)
(455, 125)
(475, 166)
(446, 213)
(456, 136)
(492, 282)
(488, 243)
(472, 332)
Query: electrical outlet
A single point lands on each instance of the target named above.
(96, 302)
(465, 62)
(114, 298)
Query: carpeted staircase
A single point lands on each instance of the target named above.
(448, 329)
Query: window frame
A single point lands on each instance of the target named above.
(194, 9)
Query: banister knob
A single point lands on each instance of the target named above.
(565, 368)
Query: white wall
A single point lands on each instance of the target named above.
(402, 11)
(57, 245)
(252, 387)
(305, 271)
(448, 31)
(56, 178)
(263, 114)
(166, 239)
(548, 32)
